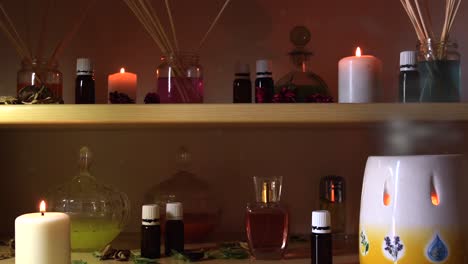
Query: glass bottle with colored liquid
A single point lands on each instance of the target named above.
(264, 85)
(267, 221)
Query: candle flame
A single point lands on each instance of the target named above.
(42, 207)
(387, 199)
(435, 199)
(358, 52)
(122, 70)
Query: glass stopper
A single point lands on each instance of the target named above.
(299, 36)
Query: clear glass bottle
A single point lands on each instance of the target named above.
(439, 70)
(40, 72)
(306, 85)
(267, 221)
(98, 212)
(179, 79)
(201, 208)
(332, 199)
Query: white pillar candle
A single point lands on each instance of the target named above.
(123, 82)
(360, 79)
(42, 238)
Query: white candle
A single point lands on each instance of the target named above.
(360, 79)
(42, 238)
(123, 82)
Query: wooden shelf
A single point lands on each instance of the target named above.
(280, 115)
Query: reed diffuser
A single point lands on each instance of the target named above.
(438, 59)
(180, 75)
(39, 79)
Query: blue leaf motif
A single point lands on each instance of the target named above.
(437, 250)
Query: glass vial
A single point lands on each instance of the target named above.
(174, 233)
(264, 85)
(40, 72)
(84, 83)
(320, 238)
(150, 232)
(242, 87)
(332, 199)
(267, 221)
(409, 77)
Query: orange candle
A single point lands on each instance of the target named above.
(123, 82)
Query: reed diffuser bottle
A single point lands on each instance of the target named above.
(267, 220)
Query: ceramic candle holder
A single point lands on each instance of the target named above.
(411, 210)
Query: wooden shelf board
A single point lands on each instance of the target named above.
(128, 116)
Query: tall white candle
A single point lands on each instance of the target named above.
(123, 82)
(360, 79)
(42, 238)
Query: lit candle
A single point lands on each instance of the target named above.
(123, 82)
(42, 238)
(360, 79)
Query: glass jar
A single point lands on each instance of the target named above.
(98, 212)
(301, 85)
(40, 72)
(180, 79)
(201, 208)
(439, 70)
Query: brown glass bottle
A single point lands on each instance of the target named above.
(174, 229)
(84, 83)
(150, 232)
(321, 238)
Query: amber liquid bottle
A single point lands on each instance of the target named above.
(84, 83)
(150, 232)
(267, 224)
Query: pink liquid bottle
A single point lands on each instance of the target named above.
(267, 220)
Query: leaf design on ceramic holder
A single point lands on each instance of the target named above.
(437, 250)
(364, 243)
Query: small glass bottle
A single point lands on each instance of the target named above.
(264, 85)
(332, 199)
(38, 72)
(409, 77)
(242, 87)
(179, 79)
(439, 66)
(84, 83)
(150, 232)
(320, 238)
(267, 221)
(174, 233)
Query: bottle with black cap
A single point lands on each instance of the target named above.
(150, 232)
(84, 84)
(321, 238)
(409, 77)
(174, 232)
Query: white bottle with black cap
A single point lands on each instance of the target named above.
(321, 239)
(150, 232)
(409, 90)
(84, 84)
(174, 233)
(264, 85)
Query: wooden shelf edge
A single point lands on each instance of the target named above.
(226, 114)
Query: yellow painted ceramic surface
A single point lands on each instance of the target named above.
(416, 244)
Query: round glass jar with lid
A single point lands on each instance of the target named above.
(98, 212)
(201, 208)
(179, 79)
(301, 85)
(40, 72)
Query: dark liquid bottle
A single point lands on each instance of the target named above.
(242, 87)
(264, 85)
(84, 84)
(321, 238)
(150, 232)
(409, 90)
(174, 229)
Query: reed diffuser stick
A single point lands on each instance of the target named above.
(10, 29)
(43, 32)
(214, 23)
(171, 21)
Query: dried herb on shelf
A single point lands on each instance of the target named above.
(120, 98)
(152, 98)
(111, 253)
(79, 262)
(32, 95)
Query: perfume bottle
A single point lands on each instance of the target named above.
(267, 220)
(332, 199)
